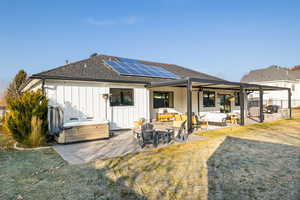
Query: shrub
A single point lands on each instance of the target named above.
(19, 121)
(36, 137)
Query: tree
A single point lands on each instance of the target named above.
(14, 88)
(295, 68)
(2, 99)
(27, 115)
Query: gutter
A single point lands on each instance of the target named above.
(85, 79)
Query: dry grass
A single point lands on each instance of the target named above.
(183, 171)
(296, 112)
(281, 131)
(6, 142)
(252, 162)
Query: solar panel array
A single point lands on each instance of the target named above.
(128, 60)
(135, 68)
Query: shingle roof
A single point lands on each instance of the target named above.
(94, 68)
(271, 73)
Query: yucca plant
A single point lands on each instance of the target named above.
(21, 111)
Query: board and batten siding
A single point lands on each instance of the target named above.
(84, 100)
(122, 117)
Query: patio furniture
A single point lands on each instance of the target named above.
(272, 109)
(179, 132)
(197, 122)
(164, 137)
(232, 118)
(147, 135)
(166, 114)
(178, 117)
(138, 124)
(215, 117)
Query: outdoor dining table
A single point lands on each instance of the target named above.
(162, 135)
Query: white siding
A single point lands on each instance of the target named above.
(122, 117)
(84, 100)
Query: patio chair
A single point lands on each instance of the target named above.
(179, 132)
(199, 123)
(164, 137)
(147, 135)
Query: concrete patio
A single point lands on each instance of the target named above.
(122, 143)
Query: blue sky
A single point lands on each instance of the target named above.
(223, 38)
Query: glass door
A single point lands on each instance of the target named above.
(225, 104)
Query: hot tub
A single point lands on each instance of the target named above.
(83, 131)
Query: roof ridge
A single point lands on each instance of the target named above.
(73, 68)
(62, 66)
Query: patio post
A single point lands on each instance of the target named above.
(242, 106)
(261, 105)
(290, 102)
(189, 105)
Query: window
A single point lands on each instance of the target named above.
(121, 97)
(163, 99)
(237, 98)
(209, 99)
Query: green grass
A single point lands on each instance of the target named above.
(253, 162)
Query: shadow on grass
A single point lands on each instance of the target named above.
(248, 169)
(43, 174)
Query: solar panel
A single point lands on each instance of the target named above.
(139, 69)
(127, 60)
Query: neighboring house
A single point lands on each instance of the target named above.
(119, 91)
(3, 110)
(276, 76)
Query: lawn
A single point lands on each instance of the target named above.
(296, 112)
(253, 162)
(6, 142)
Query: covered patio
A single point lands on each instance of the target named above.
(242, 89)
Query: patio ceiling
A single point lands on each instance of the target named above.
(214, 84)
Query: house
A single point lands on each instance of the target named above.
(280, 77)
(117, 91)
